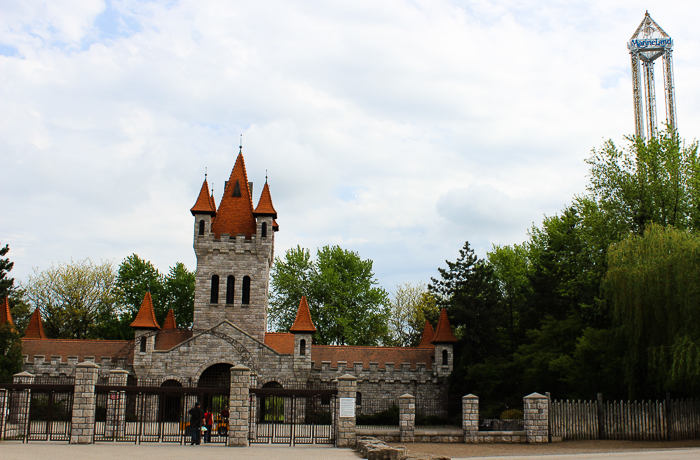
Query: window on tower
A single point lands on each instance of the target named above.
(201, 227)
(302, 347)
(246, 290)
(143, 345)
(214, 289)
(263, 231)
(444, 357)
(230, 286)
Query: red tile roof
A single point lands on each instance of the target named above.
(275, 226)
(213, 201)
(6, 315)
(35, 330)
(81, 348)
(281, 342)
(146, 318)
(203, 205)
(443, 331)
(366, 355)
(427, 337)
(235, 214)
(166, 339)
(303, 322)
(265, 207)
(169, 324)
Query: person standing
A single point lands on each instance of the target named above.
(196, 417)
(208, 422)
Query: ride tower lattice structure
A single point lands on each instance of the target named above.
(649, 43)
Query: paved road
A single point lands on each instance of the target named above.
(678, 454)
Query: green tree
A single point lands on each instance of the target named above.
(410, 308)
(10, 353)
(345, 304)
(5, 267)
(179, 287)
(72, 297)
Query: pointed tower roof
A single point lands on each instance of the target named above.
(170, 324)
(303, 322)
(35, 329)
(265, 207)
(5, 315)
(235, 214)
(443, 331)
(427, 337)
(204, 202)
(146, 318)
(275, 226)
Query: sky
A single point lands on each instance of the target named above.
(396, 129)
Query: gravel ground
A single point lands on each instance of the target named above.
(556, 448)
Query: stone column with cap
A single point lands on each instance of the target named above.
(470, 417)
(24, 400)
(116, 405)
(345, 411)
(536, 418)
(407, 418)
(238, 406)
(82, 429)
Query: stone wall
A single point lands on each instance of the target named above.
(536, 418)
(83, 417)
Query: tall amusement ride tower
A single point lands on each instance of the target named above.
(648, 43)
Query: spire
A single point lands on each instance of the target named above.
(35, 329)
(303, 322)
(265, 207)
(235, 213)
(146, 318)
(443, 331)
(5, 315)
(427, 336)
(169, 324)
(204, 203)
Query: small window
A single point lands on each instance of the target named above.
(246, 290)
(143, 344)
(444, 357)
(358, 398)
(201, 227)
(230, 286)
(237, 189)
(302, 347)
(263, 231)
(214, 289)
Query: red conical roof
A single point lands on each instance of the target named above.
(427, 337)
(204, 202)
(170, 324)
(35, 329)
(146, 318)
(5, 315)
(303, 322)
(235, 214)
(443, 331)
(265, 207)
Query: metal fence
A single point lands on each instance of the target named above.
(38, 412)
(439, 412)
(501, 415)
(377, 413)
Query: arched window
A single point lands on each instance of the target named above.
(302, 347)
(143, 345)
(214, 289)
(444, 357)
(230, 286)
(263, 232)
(246, 290)
(201, 227)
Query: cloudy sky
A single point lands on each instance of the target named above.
(398, 129)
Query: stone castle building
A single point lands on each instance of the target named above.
(234, 244)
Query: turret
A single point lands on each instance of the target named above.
(204, 211)
(303, 328)
(443, 340)
(5, 315)
(35, 329)
(144, 325)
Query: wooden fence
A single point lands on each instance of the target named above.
(634, 421)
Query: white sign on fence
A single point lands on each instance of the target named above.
(347, 407)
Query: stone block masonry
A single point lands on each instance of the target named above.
(238, 406)
(470, 417)
(407, 417)
(536, 418)
(346, 436)
(83, 418)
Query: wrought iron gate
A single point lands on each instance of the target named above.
(36, 412)
(292, 416)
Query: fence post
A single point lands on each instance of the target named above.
(536, 418)
(82, 425)
(668, 409)
(115, 423)
(601, 416)
(407, 418)
(3, 411)
(470, 417)
(24, 400)
(345, 411)
(238, 406)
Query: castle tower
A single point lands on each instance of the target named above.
(443, 341)
(234, 245)
(303, 329)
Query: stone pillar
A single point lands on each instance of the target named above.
(407, 418)
(238, 406)
(116, 405)
(82, 429)
(536, 418)
(345, 411)
(470, 417)
(24, 400)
